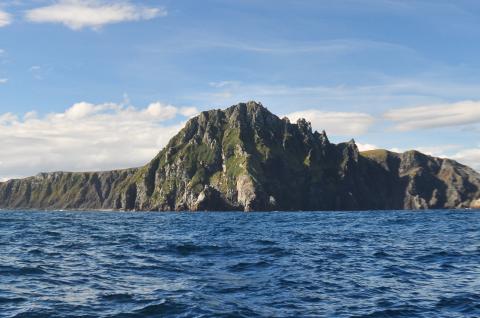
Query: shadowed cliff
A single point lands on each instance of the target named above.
(246, 158)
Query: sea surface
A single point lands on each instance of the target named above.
(308, 264)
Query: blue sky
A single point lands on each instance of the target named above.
(391, 74)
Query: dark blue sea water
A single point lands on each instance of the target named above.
(328, 264)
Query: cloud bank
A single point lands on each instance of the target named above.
(469, 157)
(365, 147)
(335, 123)
(86, 137)
(5, 18)
(93, 14)
(435, 116)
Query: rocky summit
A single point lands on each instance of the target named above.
(246, 158)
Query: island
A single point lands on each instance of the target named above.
(245, 158)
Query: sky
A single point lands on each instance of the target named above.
(98, 84)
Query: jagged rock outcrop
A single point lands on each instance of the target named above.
(246, 158)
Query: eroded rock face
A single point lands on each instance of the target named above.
(246, 158)
(475, 204)
(246, 193)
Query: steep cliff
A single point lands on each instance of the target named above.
(65, 190)
(246, 158)
(412, 180)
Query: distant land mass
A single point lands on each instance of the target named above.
(245, 158)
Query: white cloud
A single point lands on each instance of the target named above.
(5, 19)
(441, 151)
(86, 137)
(365, 147)
(158, 109)
(94, 14)
(469, 157)
(7, 118)
(222, 84)
(433, 116)
(325, 47)
(396, 149)
(37, 72)
(335, 123)
(188, 111)
(3, 80)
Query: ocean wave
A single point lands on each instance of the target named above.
(21, 270)
(339, 265)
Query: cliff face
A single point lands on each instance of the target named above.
(65, 190)
(246, 158)
(418, 181)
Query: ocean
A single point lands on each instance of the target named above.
(288, 264)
